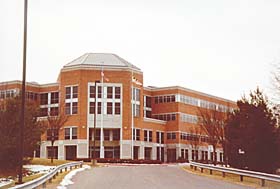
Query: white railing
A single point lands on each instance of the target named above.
(42, 181)
(240, 172)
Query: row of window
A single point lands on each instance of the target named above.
(111, 108)
(214, 106)
(54, 111)
(7, 94)
(12, 93)
(148, 136)
(108, 134)
(171, 136)
(189, 118)
(165, 117)
(204, 155)
(110, 92)
(194, 137)
(31, 95)
(69, 133)
(189, 100)
(44, 98)
(164, 99)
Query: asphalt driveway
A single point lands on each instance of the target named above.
(145, 177)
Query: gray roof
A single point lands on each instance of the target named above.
(101, 59)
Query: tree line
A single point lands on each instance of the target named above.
(249, 135)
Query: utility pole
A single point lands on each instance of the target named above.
(21, 135)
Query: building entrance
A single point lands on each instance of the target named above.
(70, 152)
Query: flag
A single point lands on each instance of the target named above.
(134, 80)
(103, 76)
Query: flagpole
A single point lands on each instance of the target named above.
(102, 110)
(132, 117)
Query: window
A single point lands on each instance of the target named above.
(75, 92)
(54, 97)
(137, 134)
(98, 133)
(67, 133)
(117, 92)
(2, 94)
(165, 117)
(30, 95)
(70, 133)
(74, 107)
(99, 92)
(145, 135)
(156, 100)
(54, 111)
(109, 92)
(109, 107)
(43, 111)
(148, 101)
(136, 94)
(117, 108)
(44, 99)
(148, 136)
(74, 133)
(67, 108)
(158, 137)
(68, 93)
(52, 134)
(92, 91)
(189, 118)
(149, 114)
(98, 107)
(91, 107)
(164, 99)
(171, 136)
(116, 134)
(106, 134)
(136, 110)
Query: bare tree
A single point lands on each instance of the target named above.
(53, 123)
(212, 123)
(195, 139)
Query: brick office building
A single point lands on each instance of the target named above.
(160, 127)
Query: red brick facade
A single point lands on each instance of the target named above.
(75, 138)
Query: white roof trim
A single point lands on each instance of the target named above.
(154, 120)
(188, 90)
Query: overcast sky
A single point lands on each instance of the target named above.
(221, 47)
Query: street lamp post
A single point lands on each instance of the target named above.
(94, 161)
(21, 135)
